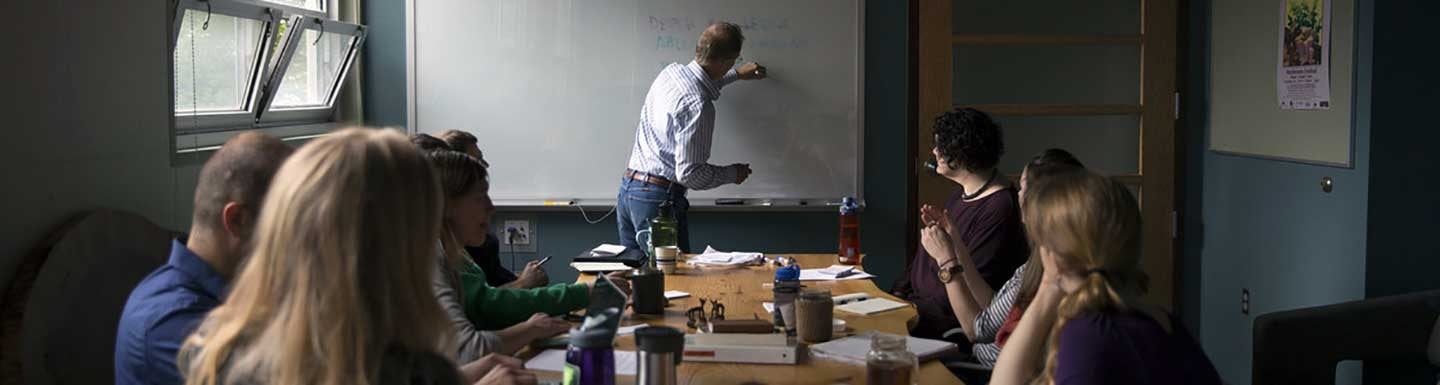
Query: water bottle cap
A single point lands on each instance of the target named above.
(596, 331)
(660, 339)
(788, 273)
(848, 205)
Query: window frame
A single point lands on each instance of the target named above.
(294, 37)
(199, 131)
(193, 122)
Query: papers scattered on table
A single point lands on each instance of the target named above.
(838, 270)
(722, 258)
(674, 294)
(854, 348)
(626, 330)
(833, 273)
(607, 250)
(554, 361)
(870, 306)
(599, 267)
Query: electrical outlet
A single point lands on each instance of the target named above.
(516, 232)
(1245, 301)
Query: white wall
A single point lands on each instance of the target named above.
(88, 111)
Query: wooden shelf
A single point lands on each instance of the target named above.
(1056, 109)
(973, 39)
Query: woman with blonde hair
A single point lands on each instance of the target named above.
(1086, 323)
(329, 294)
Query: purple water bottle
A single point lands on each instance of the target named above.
(590, 360)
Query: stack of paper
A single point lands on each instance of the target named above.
(721, 258)
(833, 273)
(854, 348)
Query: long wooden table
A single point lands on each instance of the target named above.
(742, 290)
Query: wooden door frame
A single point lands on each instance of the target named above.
(932, 77)
(912, 124)
(1158, 100)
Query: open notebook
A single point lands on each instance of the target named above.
(870, 306)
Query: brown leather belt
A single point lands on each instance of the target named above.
(647, 178)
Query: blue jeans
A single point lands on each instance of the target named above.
(638, 202)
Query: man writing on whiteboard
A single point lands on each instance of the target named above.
(672, 141)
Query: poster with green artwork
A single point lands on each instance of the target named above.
(1303, 73)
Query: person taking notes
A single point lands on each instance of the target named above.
(672, 141)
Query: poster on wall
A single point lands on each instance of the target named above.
(1303, 76)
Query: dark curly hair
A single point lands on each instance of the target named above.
(969, 139)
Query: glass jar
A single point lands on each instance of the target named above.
(890, 362)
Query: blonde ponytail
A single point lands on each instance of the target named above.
(1092, 226)
(1095, 295)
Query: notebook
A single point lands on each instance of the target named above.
(854, 348)
(599, 267)
(629, 256)
(833, 273)
(607, 250)
(870, 306)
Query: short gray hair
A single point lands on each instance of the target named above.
(720, 41)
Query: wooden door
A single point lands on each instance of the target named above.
(1094, 77)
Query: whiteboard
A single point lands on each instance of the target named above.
(1245, 117)
(553, 89)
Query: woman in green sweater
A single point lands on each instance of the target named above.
(466, 223)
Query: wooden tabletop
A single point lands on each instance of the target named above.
(742, 290)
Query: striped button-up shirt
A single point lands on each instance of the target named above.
(989, 321)
(676, 125)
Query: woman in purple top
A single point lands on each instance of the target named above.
(1087, 324)
(983, 217)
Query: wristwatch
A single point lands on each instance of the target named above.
(949, 271)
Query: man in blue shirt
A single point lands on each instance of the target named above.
(672, 142)
(170, 303)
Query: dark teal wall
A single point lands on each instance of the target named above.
(566, 233)
(384, 63)
(1266, 226)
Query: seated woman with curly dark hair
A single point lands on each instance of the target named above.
(981, 219)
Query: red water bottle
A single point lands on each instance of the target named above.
(849, 232)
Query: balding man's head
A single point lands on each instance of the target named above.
(233, 182)
(719, 43)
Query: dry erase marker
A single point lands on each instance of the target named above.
(546, 259)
